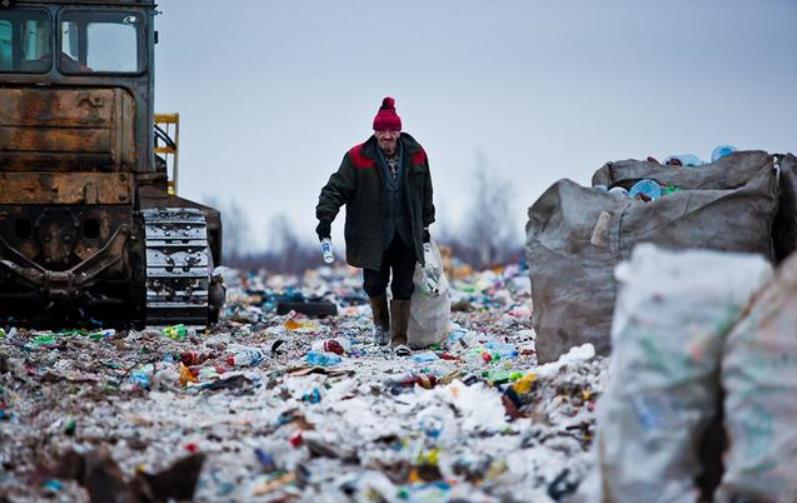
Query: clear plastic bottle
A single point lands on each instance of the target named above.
(503, 349)
(475, 357)
(327, 251)
(245, 357)
(425, 357)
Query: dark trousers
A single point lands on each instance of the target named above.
(399, 258)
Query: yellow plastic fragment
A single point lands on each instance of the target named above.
(186, 376)
(292, 325)
(524, 384)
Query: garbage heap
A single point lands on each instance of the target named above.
(282, 407)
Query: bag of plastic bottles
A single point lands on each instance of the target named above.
(576, 236)
(429, 310)
(759, 376)
(728, 169)
(673, 312)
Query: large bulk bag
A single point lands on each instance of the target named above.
(576, 236)
(759, 377)
(673, 314)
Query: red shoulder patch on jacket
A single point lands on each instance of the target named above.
(418, 157)
(359, 160)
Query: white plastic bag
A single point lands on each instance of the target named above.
(430, 307)
(672, 314)
(759, 375)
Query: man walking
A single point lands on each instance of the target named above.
(387, 189)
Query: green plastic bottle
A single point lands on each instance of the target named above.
(176, 332)
(44, 340)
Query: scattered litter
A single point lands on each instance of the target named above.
(294, 407)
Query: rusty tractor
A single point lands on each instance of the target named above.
(90, 232)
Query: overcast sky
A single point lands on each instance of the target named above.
(272, 93)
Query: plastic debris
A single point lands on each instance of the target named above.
(647, 190)
(176, 332)
(685, 160)
(425, 357)
(619, 191)
(322, 359)
(266, 460)
(245, 356)
(307, 421)
(44, 340)
(339, 347)
(721, 151)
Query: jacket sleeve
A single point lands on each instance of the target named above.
(337, 192)
(428, 204)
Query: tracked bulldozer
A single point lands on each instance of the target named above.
(90, 232)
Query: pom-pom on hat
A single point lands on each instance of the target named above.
(386, 117)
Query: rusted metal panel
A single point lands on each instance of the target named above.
(88, 128)
(38, 139)
(53, 108)
(65, 188)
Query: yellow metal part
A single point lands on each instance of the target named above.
(170, 124)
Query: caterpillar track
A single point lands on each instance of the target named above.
(179, 268)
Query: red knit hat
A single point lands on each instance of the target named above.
(386, 117)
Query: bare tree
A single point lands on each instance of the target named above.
(286, 253)
(282, 241)
(489, 225)
(443, 231)
(235, 229)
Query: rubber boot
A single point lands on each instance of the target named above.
(400, 313)
(381, 320)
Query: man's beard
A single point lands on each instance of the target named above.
(389, 148)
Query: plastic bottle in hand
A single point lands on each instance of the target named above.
(327, 251)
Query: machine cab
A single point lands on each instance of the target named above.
(76, 85)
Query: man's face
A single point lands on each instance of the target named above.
(387, 140)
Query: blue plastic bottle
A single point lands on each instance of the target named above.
(322, 359)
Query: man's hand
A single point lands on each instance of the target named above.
(324, 229)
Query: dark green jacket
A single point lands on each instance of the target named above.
(358, 184)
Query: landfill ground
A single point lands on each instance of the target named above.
(474, 419)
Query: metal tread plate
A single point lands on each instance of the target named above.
(177, 266)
